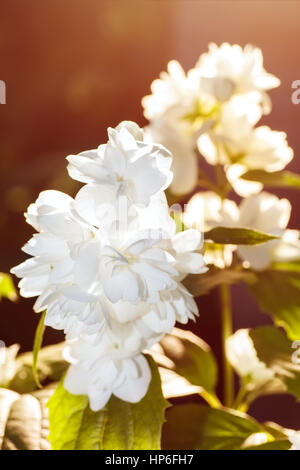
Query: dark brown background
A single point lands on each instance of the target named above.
(74, 67)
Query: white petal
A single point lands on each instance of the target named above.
(133, 390)
(122, 284)
(188, 240)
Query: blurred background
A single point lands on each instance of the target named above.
(74, 67)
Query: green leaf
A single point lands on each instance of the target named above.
(285, 179)
(119, 426)
(7, 288)
(73, 426)
(51, 367)
(237, 236)
(38, 339)
(276, 350)
(191, 358)
(204, 283)
(194, 426)
(278, 294)
(277, 431)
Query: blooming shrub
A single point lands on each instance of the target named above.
(116, 267)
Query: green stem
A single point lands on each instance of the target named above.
(226, 332)
(211, 399)
(239, 400)
(243, 407)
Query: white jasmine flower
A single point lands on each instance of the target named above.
(78, 280)
(137, 265)
(288, 248)
(136, 271)
(243, 358)
(295, 440)
(174, 137)
(76, 313)
(206, 210)
(173, 88)
(100, 371)
(82, 272)
(178, 109)
(242, 187)
(184, 106)
(110, 276)
(62, 232)
(82, 281)
(243, 69)
(265, 213)
(240, 147)
(123, 165)
(261, 148)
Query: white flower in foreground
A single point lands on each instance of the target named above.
(206, 210)
(61, 232)
(77, 313)
(82, 273)
(295, 440)
(124, 165)
(265, 213)
(243, 358)
(136, 271)
(242, 67)
(107, 265)
(100, 372)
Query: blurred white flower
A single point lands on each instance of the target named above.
(243, 69)
(241, 186)
(288, 248)
(243, 358)
(206, 210)
(184, 106)
(240, 147)
(294, 438)
(174, 88)
(185, 162)
(265, 213)
(178, 109)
